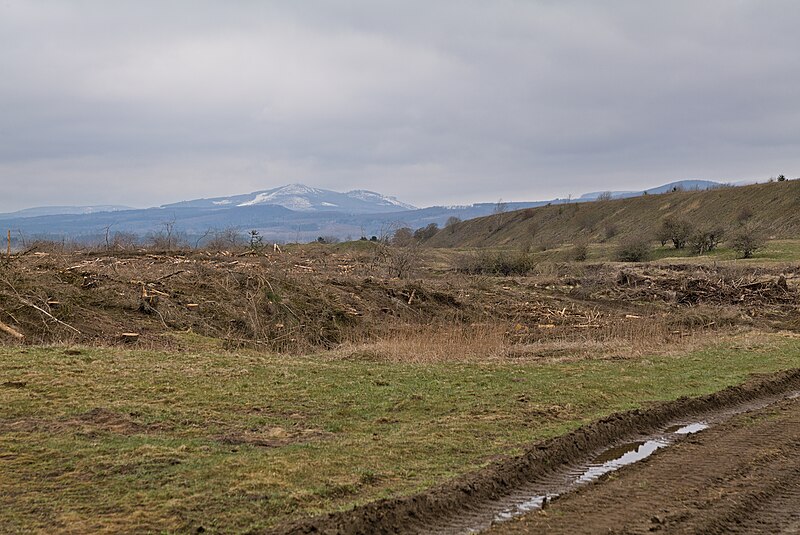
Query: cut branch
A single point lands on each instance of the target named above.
(10, 330)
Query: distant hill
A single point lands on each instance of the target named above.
(301, 198)
(682, 185)
(775, 207)
(64, 210)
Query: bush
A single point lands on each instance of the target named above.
(611, 230)
(747, 241)
(634, 250)
(677, 230)
(579, 252)
(706, 240)
(402, 237)
(488, 263)
(124, 241)
(744, 215)
(451, 223)
(426, 233)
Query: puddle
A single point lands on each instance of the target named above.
(534, 503)
(691, 428)
(616, 452)
(636, 452)
(536, 495)
(608, 461)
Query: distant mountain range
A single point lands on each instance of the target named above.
(289, 213)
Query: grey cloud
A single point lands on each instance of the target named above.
(447, 102)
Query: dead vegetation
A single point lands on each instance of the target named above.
(315, 298)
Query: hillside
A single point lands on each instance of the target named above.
(775, 208)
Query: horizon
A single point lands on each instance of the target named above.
(575, 197)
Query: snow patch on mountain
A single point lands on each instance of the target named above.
(301, 198)
(371, 196)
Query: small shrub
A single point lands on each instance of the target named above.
(426, 233)
(402, 237)
(491, 263)
(747, 241)
(633, 250)
(706, 240)
(124, 241)
(744, 215)
(579, 252)
(610, 231)
(451, 223)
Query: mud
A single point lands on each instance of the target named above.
(741, 476)
(464, 504)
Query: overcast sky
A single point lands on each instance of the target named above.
(446, 102)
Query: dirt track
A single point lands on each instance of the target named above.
(742, 476)
(746, 465)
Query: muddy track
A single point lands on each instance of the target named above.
(473, 501)
(742, 476)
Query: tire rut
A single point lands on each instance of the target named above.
(471, 502)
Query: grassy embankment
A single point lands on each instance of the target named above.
(105, 439)
(770, 208)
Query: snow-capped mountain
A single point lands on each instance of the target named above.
(302, 198)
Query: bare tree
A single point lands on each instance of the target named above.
(451, 223)
(107, 232)
(169, 228)
(124, 240)
(402, 237)
(203, 237)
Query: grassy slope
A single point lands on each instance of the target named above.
(335, 433)
(775, 207)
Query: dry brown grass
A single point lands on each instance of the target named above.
(432, 343)
(632, 337)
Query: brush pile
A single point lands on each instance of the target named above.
(305, 300)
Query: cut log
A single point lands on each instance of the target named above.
(11, 331)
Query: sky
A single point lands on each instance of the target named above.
(142, 103)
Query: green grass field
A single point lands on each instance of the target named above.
(114, 440)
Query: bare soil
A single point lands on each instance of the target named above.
(760, 461)
(740, 477)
